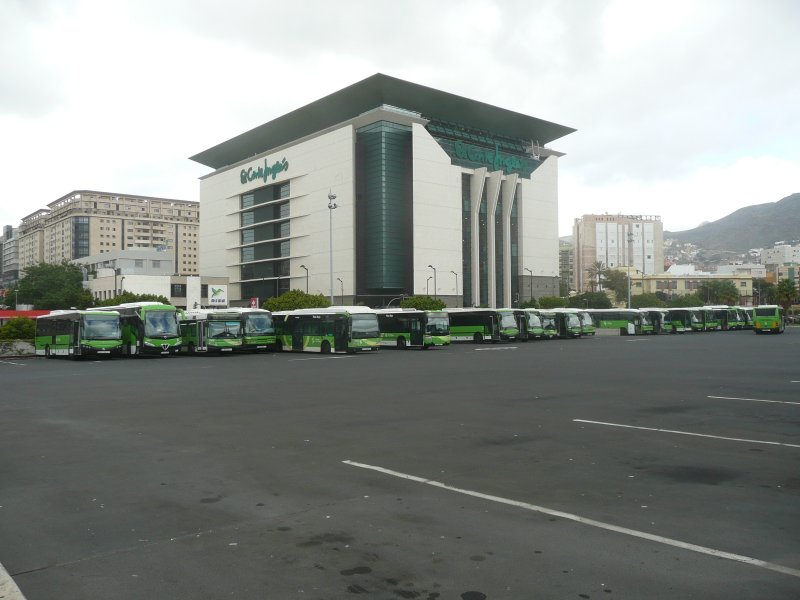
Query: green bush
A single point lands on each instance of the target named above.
(294, 299)
(422, 303)
(20, 328)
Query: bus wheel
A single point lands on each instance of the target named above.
(478, 338)
(325, 348)
(279, 346)
(401, 343)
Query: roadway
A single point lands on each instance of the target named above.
(607, 467)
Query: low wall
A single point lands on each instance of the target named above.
(9, 348)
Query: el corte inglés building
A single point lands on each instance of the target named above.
(434, 194)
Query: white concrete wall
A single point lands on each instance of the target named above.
(437, 216)
(317, 166)
(538, 214)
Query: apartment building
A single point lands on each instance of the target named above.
(617, 241)
(86, 223)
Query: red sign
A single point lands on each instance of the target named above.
(253, 302)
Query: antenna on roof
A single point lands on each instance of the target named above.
(535, 150)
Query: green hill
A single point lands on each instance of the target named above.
(758, 226)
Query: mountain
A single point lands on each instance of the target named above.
(758, 226)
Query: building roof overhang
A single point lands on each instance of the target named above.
(368, 94)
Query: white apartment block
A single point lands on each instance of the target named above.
(636, 241)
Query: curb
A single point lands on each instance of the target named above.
(8, 589)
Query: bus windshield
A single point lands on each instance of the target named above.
(160, 323)
(437, 326)
(101, 327)
(258, 324)
(549, 322)
(696, 318)
(223, 329)
(646, 319)
(507, 319)
(365, 326)
(765, 312)
(534, 320)
(573, 320)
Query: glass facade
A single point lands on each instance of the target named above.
(384, 234)
(80, 237)
(264, 219)
(466, 238)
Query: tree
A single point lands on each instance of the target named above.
(718, 292)
(647, 300)
(422, 303)
(764, 291)
(20, 328)
(617, 282)
(686, 301)
(596, 272)
(786, 293)
(131, 297)
(589, 300)
(294, 299)
(529, 303)
(54, 286)
(552, 302)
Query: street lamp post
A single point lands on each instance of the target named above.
(331, 206)
(341, 283)
(428, 285)
(630, 259)
(16, 299)
(456, 274)
(306, 269)
(530, 282)
(435, 287)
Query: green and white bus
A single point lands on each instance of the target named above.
(211, 330)
(769, 318)
(568, 322)
(412, 328)
(347, 329)
(712, 318)
(745, 316)
(258, 330)
(659, 318)
(482, 324)
(148, 328)
(629, 321)
(78, 333)
(534, 323)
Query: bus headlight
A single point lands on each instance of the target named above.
(149, 344)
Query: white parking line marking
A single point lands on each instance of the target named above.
(8, 362)
(637, 340)
(495, 349)
(752, 400)
(8, 589)
(705, 435)
(585, 521)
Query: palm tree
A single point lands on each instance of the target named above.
(596, 271)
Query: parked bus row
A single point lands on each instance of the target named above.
(151, 328)
(643, 321)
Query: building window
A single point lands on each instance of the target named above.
(139, 263)
(178, 290)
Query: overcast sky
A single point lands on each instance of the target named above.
(683, 109)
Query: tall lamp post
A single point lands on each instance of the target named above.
(341, 283)
(530, 282)
(435, 287)
(306, 269)
(630, 259)
(331, 206)
(428, 285)
(16, 299)
(456, 274)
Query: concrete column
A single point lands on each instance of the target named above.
(492, 196)
(478, 181)
(509, 196)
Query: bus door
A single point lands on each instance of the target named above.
(76, 338)
(297, 334)
(341, 333)
(522, 325)
(416, 332)
(494, 326)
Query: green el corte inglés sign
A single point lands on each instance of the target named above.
(264, 171)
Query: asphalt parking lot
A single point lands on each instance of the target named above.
(607, 467)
